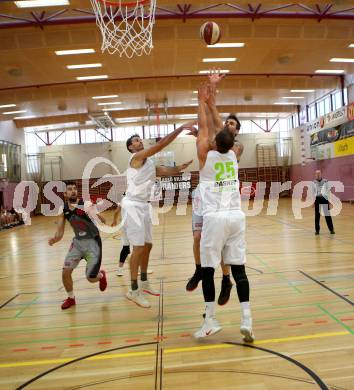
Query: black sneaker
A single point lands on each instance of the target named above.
(317, 233)
(225, 292)
(193, 282)
(333, 232)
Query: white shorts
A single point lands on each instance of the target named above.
(223, 236)
(137, 222)
(124, 237)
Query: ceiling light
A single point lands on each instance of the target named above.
(329, 71)
(84, 66)
(112, 109)
(126, 120)
(195, 91)
(220, 71)
(25, 117)
(70, 52)
(302, 90)
(186, 116)
(226, 59)
(235, 44)
(293, 97)
(105, 104)
(8, 105)
(40, 3)
(105, 97)
(341, 60)
(14, 112)
(284, 104)
(99, 77)
(351, 45)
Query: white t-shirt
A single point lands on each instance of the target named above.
(219, 185)
(140, 181)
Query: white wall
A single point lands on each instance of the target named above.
(75, 157)
(9, 132)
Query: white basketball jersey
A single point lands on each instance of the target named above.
(140, 181)
(218, 184)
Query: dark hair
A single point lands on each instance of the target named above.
(70, 183)
(224, 140)
(130, 141)
(234, 117)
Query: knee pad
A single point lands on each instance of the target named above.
(239, 273)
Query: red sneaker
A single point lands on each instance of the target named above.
(103, 281)
(68, 303)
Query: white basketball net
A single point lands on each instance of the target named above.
(126, 29)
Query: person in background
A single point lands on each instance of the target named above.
(322, 192)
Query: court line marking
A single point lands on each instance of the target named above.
(327, 288)
(174, 330)
(9, 300)
(308, 371)
(175, 350)
(27, 306)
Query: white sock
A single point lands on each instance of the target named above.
(71, 294)
(246, 309)
(210, 309)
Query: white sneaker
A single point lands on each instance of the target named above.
(148, 289)
(137, 297)
(246, 329)
(210, 326)
(120, 271)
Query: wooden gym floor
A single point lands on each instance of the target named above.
(302, 295)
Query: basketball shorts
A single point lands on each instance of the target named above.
(89, 249)
(197, 222)
(223, 237)
(137, 222)
(124, 237)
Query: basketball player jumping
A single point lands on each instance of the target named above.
(223, 233)
(85, 245)
(215, 124)
(136, 208)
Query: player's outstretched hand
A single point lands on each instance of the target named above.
(52, 241)
(193, 131)
(215, 76)
(182, 167)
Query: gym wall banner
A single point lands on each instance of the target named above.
(344, 147)
(332, 119)
(351, 111)
(333, 134)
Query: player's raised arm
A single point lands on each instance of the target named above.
(214, 79)
(170, 171)
(140, 156)
(203, 144)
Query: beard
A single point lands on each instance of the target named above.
(73, 199)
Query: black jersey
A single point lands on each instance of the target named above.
(79, 220)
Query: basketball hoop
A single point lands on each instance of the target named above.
(126, 26)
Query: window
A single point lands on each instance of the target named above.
(91, 136)
(345, 96)
(320, 108)
(327, 104)
(337, 100)
(33, 143)
(123, 133)
(312, 112)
